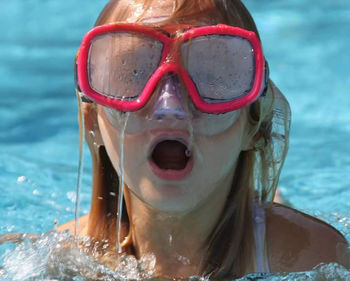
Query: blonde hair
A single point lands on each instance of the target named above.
(257, 170)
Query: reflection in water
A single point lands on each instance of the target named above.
(55, 256)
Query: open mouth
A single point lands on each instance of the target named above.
(171, 159)
(170, 155)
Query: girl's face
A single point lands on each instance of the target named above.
(175, 157)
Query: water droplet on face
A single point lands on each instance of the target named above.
(170, 239)
(183, 260)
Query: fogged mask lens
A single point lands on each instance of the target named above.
(221, 66)
(120, 64)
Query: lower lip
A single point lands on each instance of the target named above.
(172, 175)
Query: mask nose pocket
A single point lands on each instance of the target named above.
(170, 101)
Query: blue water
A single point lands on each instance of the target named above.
(305, 42)
(39, 131)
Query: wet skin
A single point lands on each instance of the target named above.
(298, 242)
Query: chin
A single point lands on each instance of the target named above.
(167, 197)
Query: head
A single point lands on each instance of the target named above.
(178, 158)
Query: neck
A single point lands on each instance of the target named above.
(178, 240)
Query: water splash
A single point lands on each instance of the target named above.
(56, 256)
(129, 268)
(324, 272)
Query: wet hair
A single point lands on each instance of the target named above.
(231, 12)
(230, 247)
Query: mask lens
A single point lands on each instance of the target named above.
(221, 66)
(120, 64)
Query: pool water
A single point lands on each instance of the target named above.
(305, 42)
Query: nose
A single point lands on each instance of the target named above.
(170, 101)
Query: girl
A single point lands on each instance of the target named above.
(177, 103)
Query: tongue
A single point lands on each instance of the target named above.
(170, 155)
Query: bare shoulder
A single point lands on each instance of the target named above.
(298, 242)
(83, 223)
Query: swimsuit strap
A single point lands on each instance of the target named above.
(261, 262)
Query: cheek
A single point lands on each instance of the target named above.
(130, 148)
(205, 124)
(117, 144)
(220, 152)
(111, 139)
(135, 124)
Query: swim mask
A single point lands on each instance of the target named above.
(222, 68)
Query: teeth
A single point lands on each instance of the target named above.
(188, 153)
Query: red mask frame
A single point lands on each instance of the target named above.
(171, 63)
